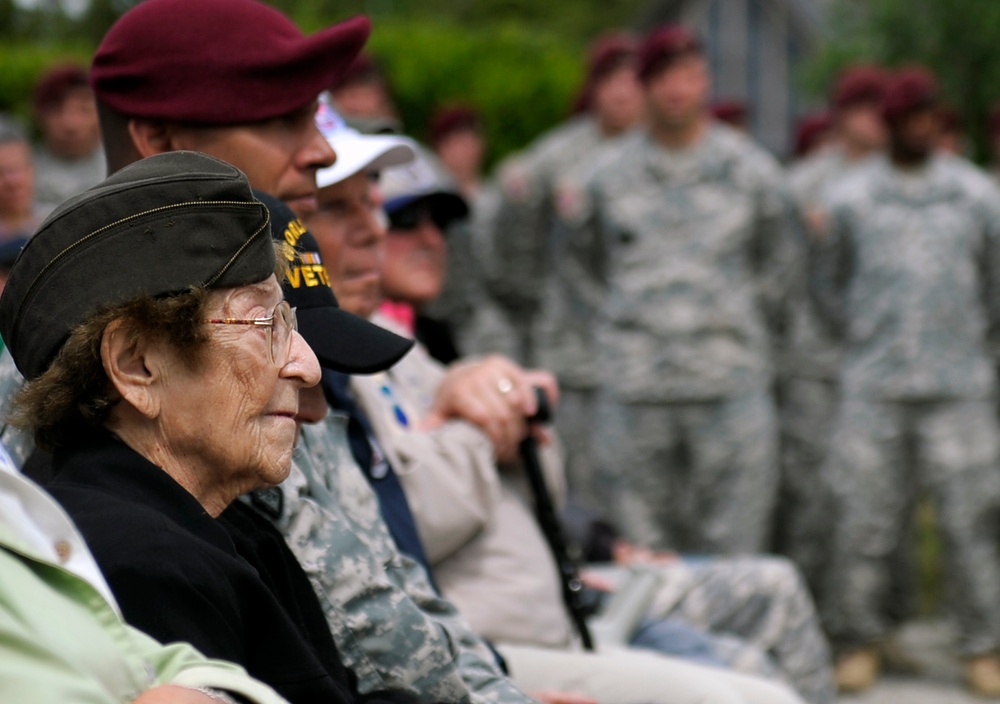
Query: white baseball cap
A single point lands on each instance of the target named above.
(357, 152)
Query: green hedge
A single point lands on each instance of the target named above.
(521, 79)
(23, 62)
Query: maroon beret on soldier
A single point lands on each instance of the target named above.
(455, 118)
(665, 45)
(909, 90)
(859, 85)
(56, 83)
(732, 112)
(607, 53)
(217, 62)
(810, 131)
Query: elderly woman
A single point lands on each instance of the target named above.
(164, 369)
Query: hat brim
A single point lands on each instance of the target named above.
(453, 204)
(347, 343)
(366, 153)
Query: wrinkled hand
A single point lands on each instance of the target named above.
(494, 394)
(172, 694)
(548, 696)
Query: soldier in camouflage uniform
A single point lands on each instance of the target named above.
(691, 235)
(809, 363)
(909, 270)
(555, 332)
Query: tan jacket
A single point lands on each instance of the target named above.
(488, 555)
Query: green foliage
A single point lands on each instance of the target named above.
(957, 39)
(521, 80)
(23, 62)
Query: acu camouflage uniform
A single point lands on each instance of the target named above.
(807, 366)
(19, 444)
(694, 252)
(910, 271)
(528, 274)
(392, 628)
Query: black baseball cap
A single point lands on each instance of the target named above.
(342, 341)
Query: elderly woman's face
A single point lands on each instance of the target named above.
(234, 415)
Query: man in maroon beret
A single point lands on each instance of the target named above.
(907, 275)
(69, 160)
(808, 378)
(166, 78)
(685, 231)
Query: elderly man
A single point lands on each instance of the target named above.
(907, 271)
(159, 91)
(448, 466)
(688, 233)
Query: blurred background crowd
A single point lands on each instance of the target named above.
(529, 113)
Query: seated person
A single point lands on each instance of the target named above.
(62, 637)
(169, 387)
(351, 206)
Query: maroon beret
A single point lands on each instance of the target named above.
(607, 53)
(909, 90)
(732, 112)
(217, 62)
(665, 45)
(859, 84)
(455, 118)
(56, 83)
(810, 130)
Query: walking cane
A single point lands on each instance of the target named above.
(548, 520)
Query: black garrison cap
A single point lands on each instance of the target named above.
(157, 227)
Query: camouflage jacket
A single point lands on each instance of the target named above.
(524, 251)
(391, 627)
(693, 254)
(909, 271)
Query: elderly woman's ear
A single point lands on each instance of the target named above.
(134, 366)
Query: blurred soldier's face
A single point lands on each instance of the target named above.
(462, 153)
(677, 94)
(862, 126)
(914, 139)
(617, 100)
(415, 256)
(71, 128)
(351, 237)
(17, 180)
(279, 156)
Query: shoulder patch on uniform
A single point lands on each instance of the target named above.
(270, 501)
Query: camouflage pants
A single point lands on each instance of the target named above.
(803, 518)
(574, 422)
(759, 611)
(882, 456)
(693, 476)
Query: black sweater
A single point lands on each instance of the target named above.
(230, 587)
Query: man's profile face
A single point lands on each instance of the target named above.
(351, 241)
(677, 93)
(280, 156)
